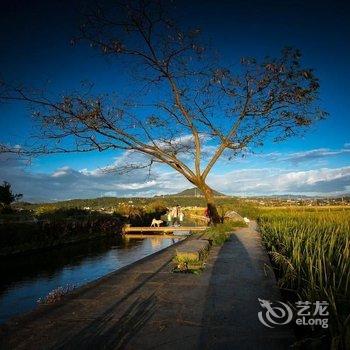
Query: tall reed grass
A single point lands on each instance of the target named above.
(311, 251)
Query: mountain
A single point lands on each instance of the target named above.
(195, 192)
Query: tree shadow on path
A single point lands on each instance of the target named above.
(230, 314)
(110, 332)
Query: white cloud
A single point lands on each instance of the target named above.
(136, 186)
(61, 172)
(305, 156)
(324, 181)
(186, 140)
(67, 183)
(315, 154)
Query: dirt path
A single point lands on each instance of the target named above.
(146, 306)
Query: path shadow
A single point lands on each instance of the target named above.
(230, 314)
(107, 332)
(111, 333)
(219, 293)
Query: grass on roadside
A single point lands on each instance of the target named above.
(188, 264)
(311, 252)
(220, 233)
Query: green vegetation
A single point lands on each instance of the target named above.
(188, 264)
(113, 203)
(194, 192)
(191, 256)
(310, 249)
(141, 206)
(220, 233)
(55, 230)
(47, 226)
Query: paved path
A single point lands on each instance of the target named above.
(146, 306)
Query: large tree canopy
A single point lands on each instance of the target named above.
(178, 99)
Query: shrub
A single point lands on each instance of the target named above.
(186, 263)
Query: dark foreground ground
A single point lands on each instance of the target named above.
(146, 306)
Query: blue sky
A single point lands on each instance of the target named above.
(35, 48)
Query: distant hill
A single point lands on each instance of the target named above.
(195, 192)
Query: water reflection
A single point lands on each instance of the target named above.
(26, 278)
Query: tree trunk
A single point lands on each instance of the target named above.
(211, 206)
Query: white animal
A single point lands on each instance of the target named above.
(246, 220)
(156, 222)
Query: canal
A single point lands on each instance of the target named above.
(25, 279)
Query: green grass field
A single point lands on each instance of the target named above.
(310, 248)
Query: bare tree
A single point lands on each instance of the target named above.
(179, 98)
